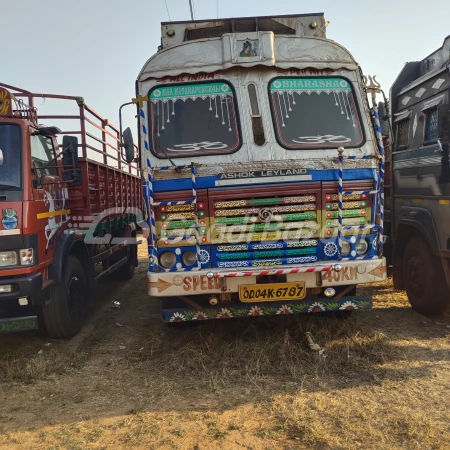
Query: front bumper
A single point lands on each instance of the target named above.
(197, 282)
(29, 286)
(245, 310)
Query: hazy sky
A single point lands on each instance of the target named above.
(96, 48)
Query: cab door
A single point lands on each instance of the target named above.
(49, 210)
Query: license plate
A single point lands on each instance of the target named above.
(272, 292)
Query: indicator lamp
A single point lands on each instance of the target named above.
(203, 239)
(328, 223)
(201, 205)
(328, 215)
(364, 196)
(164, 225)
(166, 242)
(202, 222)
(203, 230)
(363, 204)
(328, 206)
(363, 212)
(163, 216)
(329, 232)
(163, 208)
(165, 233)
(201, 213)
(328, 197)
(362, 221)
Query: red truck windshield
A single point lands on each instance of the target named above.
(194, 119)
(10, 156)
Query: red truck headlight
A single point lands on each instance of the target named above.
(8, 259)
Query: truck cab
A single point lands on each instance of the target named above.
(262, 170)
(420, 193)
(51, 199)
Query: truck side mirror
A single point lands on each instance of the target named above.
(70, 151)
(73, 176)
(384, 119)
(128, 145)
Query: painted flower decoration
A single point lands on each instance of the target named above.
(178, 251)
(277, 84)
(256, 311)
(330, 249)
(199, 316)
(316, 307)
(225, 314)
(157, 93)
(285, 309)
(348, 306)
(178, 317)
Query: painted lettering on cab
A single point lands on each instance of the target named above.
(200, 283)
(346, 274)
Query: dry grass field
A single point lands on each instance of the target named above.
(127, 381)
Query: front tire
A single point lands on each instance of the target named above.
(424, 279)
(64, 314)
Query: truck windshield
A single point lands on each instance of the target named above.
(315, 113)
(193, 119)
(10, 156)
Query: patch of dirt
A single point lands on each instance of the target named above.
(127, 381)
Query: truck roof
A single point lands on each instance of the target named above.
(415, 73)
(173, 33)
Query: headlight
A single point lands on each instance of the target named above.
(8, 259)
(189, 258)
(346, 247)
(167, 260)
(362, 246)
(26, 256)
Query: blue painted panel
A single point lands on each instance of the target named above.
(209, 182)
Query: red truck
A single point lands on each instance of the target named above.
(70, 206)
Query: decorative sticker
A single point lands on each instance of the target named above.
(10, 219)
(406, 100)
(420, 92)
(191, 91)
(305, 84)
(248, 48)
(438, 83)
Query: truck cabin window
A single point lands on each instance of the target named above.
(10, 156)
(42, 155)
(315, 113)
(193, 120)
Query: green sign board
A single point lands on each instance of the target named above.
(310, 84)
(190, 91)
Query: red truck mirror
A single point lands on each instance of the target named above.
(128, 145)
(70, 161)
(70, 151)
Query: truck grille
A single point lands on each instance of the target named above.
(263, 226)
(250, 228)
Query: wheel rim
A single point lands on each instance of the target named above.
(416, 275)
(75, 296)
